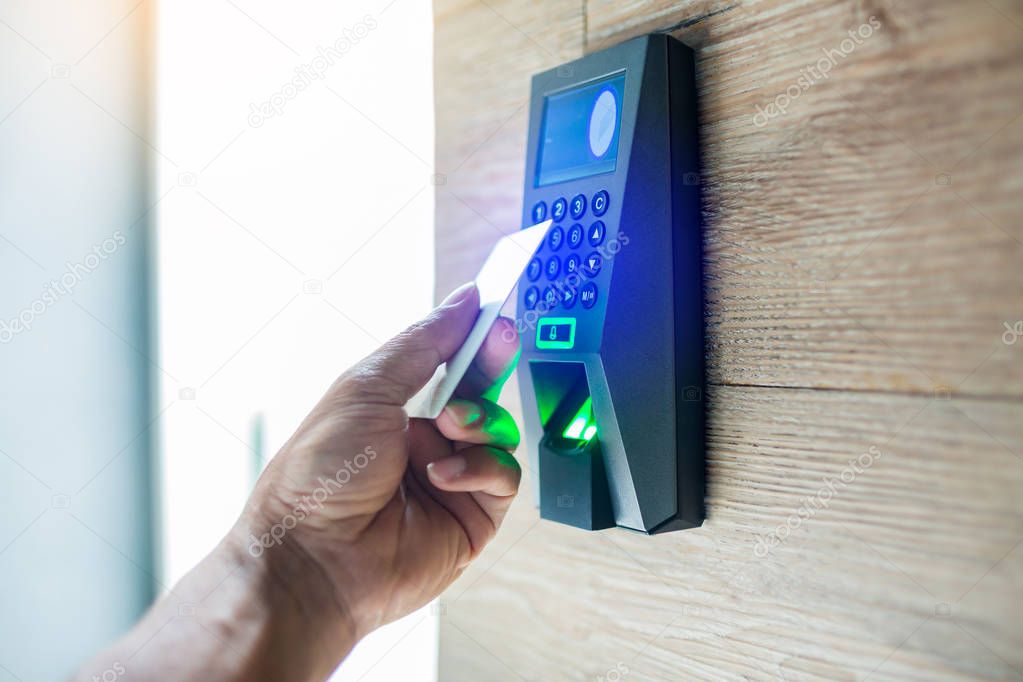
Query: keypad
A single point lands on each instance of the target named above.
(570, 260)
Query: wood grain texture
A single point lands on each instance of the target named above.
(864, 253)
(484, 55)
(912, 569)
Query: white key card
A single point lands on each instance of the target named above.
(495, 281)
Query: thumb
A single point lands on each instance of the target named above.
(403, 365)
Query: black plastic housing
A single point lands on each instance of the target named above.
(639, 352)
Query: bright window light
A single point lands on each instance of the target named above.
(295, 233)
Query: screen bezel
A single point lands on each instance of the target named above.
(543, 125)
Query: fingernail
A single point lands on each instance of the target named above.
(447, 469)
(464, 412)
(459, 294)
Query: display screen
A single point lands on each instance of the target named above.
(580, 131)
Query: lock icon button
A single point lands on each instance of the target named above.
(555, 333)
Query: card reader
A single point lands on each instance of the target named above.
(611, 307)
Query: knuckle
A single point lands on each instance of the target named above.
(365, 384)
(372, 418)
(419, 335)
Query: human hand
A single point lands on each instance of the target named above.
(381, 511)
(363, 516)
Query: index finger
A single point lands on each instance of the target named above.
(493, 364)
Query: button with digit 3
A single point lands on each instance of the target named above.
(588, 295)
(597, 233)
(534, 269)
(553, 267)
(578, 206)
(599, 203)
(558, 209)
(575, 235)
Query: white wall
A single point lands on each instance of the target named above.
(74, 529)
(291, 242)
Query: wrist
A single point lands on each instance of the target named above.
(302, 606)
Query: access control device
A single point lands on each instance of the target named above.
(611, 307)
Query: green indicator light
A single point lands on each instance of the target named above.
(555, 333)
(575, 429)
(582, 426)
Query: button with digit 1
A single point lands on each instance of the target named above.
(539, 212)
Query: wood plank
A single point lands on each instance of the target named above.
(834, 257)
(913, 569)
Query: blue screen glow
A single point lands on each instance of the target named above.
(580, 131)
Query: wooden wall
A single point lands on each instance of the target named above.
(864, 255)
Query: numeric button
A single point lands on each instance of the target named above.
(550, 297)
(578, 206)
(534, 269)
(558, 209)
(575, 236)
(597, 233)
(572, 264)
(553, 267)
(539, 212)
(599, 203)
(588, 295)
(556, 238)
